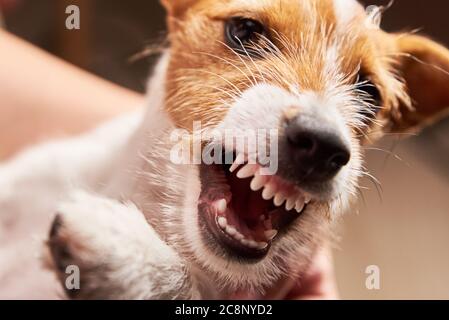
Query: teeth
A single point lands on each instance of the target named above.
(231, 231)
(221, 206)
(271, 234)
(239, 160)
(269, 192)
(299, 206)
(307, 199)
(247, 171)
(222, 222)
(252, 244)
(290, 204)
(262, 245)
(239, 236)
(279, 199)
(258, 182)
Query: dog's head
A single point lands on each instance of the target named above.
(319, 79)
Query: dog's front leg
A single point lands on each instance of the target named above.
(117, 253)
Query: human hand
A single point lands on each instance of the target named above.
(318, 283)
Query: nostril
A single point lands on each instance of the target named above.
(339, 160)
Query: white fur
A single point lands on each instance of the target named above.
(30, 188)
(125, 236)
(346, 11)
(124, 169)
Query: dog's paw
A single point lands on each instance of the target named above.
(117, 253)
(59, 245)
(74, 248)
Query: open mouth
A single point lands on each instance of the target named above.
(246, 211)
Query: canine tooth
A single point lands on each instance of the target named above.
(299, 206)
(245, 242)
(247, 171)
(221, 205)
(231, 230)
(262, 245)
(268, 192)
(271, 234)
(222, 222)
(239, 160)
(257, 183)
(279, 199)
(290, 204)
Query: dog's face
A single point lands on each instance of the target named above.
(327, 80)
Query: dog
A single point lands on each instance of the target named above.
(321, 74)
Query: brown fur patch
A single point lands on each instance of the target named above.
(205, 76)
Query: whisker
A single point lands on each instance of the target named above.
(361, 195)
(242, 60)
(217, 75)
(396, 156)
(376, 184)
(226, 61)
(149, 50)
(252, 60)
(229, 94)
(434, 66)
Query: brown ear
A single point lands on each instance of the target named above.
(177, 7)
(425, 68)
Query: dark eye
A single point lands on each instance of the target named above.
(370, 93)
(242, 34)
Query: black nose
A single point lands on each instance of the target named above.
(317, 152)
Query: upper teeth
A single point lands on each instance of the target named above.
(247, 171)
(279, 199)
(299, 206)
(239, 160)
(258, 182)
(269, 192)
(307, 199)
(290, 204)
(296, 200)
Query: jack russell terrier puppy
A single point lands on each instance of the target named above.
(138, 224)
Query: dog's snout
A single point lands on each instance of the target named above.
(316, 151)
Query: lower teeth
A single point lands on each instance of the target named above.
(271, 234)
(232, 232)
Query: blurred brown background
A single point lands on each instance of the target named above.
(403, 228)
